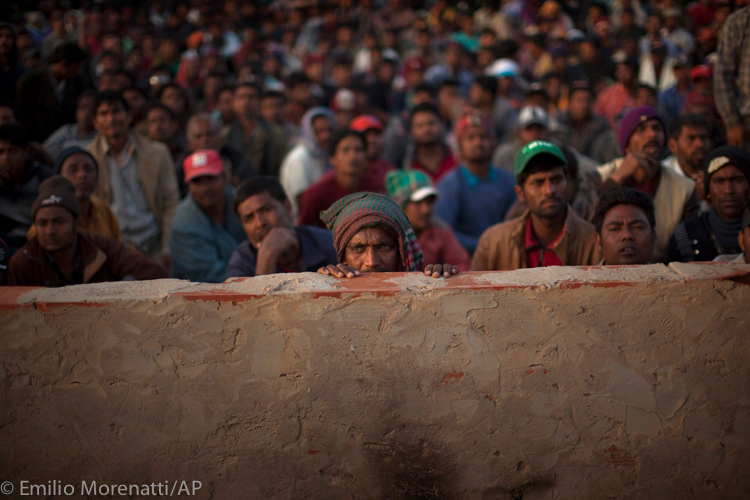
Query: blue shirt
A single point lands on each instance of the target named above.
(470, 204)
(316, 249)
(671, 101)
(200, 247)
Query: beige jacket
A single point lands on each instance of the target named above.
(502, 247)
(156, 172)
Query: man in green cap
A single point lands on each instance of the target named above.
(549, 233)
(371, 233)
(414, 192)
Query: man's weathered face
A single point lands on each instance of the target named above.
(174, 100)
(691, 147)
(475, 144)
(728, 192)
(55, 228)
(80, 170)
(203, 135)
(208, 191)
(161, 126)
(111, 119)
(420, 213)
(272, 109)
(373, 250)
(627, 237)
(12, 158)
(262, 212)
(545, 193)
(85, 113)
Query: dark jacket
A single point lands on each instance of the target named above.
(695, 241)
(38, 107)
(102, 259)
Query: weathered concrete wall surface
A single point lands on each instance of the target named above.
(556, 383)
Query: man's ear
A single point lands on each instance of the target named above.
(653, 236)
(599, 242)
(519, 193)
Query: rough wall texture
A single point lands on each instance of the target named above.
(556, 383)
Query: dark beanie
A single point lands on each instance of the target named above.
(727, 155)
(70, 151)
(632, 119)
(57, 191)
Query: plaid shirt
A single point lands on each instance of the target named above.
(732, 75)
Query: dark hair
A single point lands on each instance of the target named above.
(448, 82)
(297, 78)
(273, 94)
(137, 89)
(571, 169)
(163, 108)
(624, 196)
(85, 94)
(173, 85)
(688, 120)
(110, 97)
(540, 163)
(342, 134)
(257, 185)
(15, 134)
(69, 52)
(425, 87)
(424, 107)
(487, 83)
(250, 85)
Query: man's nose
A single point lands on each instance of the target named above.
(371, 260)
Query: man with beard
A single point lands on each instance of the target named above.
(625, 227)
(641, 135)
(713, 233)
(689, 142)
(477, 194)
(549, 233)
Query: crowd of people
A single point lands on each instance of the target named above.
(205, 140)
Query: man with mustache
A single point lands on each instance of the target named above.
(641, 135)
(625, 227)
(549, 233)
(714, 233)
(689, 142)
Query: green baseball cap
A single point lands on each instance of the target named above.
(409, 185)
(534, 149)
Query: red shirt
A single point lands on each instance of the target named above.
(324, 193)
(536, 255)
(448, 163)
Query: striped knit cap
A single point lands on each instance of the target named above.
(360, 210)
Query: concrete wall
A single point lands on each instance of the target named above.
(555, 383)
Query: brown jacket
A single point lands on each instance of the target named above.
(102, 259)
(156, 172)
(502, 247)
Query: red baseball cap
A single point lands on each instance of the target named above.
(701, 71)
(202, 162)
(363, 123)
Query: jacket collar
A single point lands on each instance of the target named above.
(571, 228)
(92, 257)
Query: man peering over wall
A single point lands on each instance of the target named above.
(371, 233)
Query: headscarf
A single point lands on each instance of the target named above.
(347, 216)
(308, 134)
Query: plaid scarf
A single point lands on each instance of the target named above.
(360, 210)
